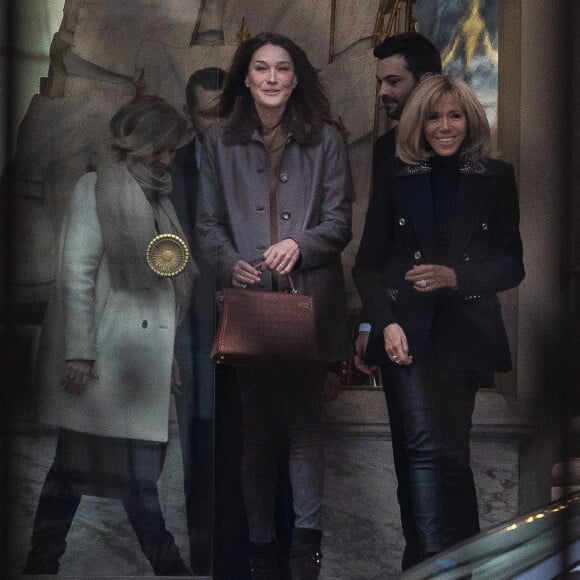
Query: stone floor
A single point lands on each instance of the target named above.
(362, 539)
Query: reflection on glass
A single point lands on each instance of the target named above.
(106, 365)
(540, 545)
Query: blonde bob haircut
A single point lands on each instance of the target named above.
(413, 147)
(144, 126)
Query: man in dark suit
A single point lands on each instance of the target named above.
(201, 93)
(404, 60)
(195, 399)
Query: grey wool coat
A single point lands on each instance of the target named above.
(130, 335)
(314, 209)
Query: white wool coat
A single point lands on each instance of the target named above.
(130, 335)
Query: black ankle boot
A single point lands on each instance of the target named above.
(305, 554)
(42, 569)
(264, 561)
(56, 510)
(176, 568)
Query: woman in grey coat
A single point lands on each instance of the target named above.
(106, 356)
(279, 150)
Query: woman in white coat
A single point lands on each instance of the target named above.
(106, 361)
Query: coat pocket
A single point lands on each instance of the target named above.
(119, 314)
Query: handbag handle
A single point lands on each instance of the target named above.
(258, 265)
(291, 283)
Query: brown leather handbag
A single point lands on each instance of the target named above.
(256, 328)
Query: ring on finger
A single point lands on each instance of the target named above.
(422, 283)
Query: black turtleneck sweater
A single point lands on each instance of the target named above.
(444, 188)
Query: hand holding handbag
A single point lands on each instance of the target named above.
(258, 327)
(255, 327)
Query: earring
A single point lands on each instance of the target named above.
(247, 83)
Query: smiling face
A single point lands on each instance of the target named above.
(446, 126)
(271, 79)
(159, 161)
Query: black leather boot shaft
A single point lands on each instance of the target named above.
(264, 561)
(305, 554)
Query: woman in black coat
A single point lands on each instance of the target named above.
(441, 238)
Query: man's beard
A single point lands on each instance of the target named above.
(393, 108)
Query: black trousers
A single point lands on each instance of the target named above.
(430, 410)
(194, 406)
(231, 550)
(134, 481)
(281, 403)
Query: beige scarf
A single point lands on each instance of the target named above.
(133, 207)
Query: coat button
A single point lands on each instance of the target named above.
(285, 215)
(283, 177)
(466, 257)
(417, 255)
(484, 226)
(402, 222)
(144, 324)
(261, 170)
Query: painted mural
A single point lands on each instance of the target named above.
(466, 33)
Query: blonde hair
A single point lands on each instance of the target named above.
(413, 147)
(144, 126)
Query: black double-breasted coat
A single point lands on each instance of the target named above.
(462, 328)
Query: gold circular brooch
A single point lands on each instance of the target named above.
(167, 255)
